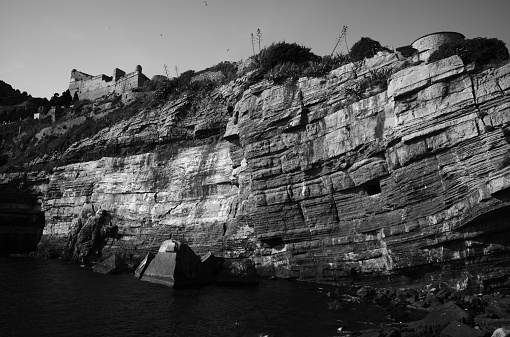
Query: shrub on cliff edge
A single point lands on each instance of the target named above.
(325, 65)
(365, 48)
(283, 52)
(479, 50)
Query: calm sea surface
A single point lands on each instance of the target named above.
(53, 298)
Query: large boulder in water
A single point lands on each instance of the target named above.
(176, 265)
(213, 263)
(501, 332)
(112, 265)
(140, 270)
(89, 234)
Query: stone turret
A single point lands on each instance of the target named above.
(429, 43)
(138, 69)
(79, 75)
(118, 73)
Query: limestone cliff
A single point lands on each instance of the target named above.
(318, 179)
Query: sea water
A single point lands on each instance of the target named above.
(55, 298)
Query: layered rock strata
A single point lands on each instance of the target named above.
(318, 179)
(411, 177)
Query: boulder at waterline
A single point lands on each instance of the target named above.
(161, 269)
(175, 265)
(111, 265)
(501, 332)
(140, 270)
(213, 263)
(447, 313)
(455, 329)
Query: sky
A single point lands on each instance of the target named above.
(42, 41)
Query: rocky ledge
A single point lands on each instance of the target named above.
(318, 180)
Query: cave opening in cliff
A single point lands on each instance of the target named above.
(373, 188)
(275, 243)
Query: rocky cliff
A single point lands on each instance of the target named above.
(322, 179)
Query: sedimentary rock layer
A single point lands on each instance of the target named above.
(317, 179)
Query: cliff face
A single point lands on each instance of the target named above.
(318, 180)
(403, 183)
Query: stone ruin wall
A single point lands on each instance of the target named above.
(128, 82)
(427, 44)
(97, 86)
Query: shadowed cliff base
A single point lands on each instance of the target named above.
(21, 222)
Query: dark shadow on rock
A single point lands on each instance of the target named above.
(21, 221)
(237, 272)
(89, 235)
(455, 329)
(446, 313)
(111, 265)
(213, 263)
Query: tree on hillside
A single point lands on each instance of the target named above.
(10, 96)
(54, 99)
(38, 101)
(66, 99)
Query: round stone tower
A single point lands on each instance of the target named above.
(427, 44)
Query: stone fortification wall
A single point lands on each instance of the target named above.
(79, 76)
(128, 82)
(93, 87)
(77, 79)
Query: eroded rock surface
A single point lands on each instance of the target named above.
(309, 181)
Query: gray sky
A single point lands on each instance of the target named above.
(42, 41)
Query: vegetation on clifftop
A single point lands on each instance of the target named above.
(479, 50)
(280, 62)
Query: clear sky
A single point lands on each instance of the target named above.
(42, 41)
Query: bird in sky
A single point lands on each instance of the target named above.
(161, 34)
(205, 3)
